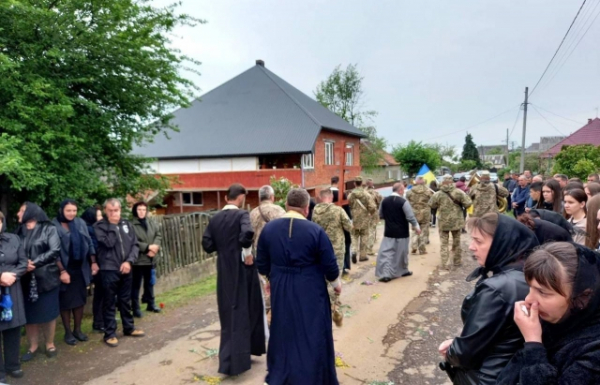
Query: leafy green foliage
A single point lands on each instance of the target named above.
(281, 187)
(81, 82)
(532, 162)
(577, 161)
(495, 151)
(467, 165)
(470, 151)
(413, 155)
(342, 93)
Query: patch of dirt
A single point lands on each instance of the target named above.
(86, 361)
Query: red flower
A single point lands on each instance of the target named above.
(161, 305)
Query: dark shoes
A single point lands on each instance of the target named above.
(70, 340)
(52, 352)
(153, 309)
(137, 313)
(98, 329)
(29, 356)
(80, 336)
(407, 274)
(16, 373)
(385, 279)
(354, 258)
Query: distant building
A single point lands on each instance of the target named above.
(248, 129)
(534, 148)
(546, 142)
(484, 150)
(388, 170)
(588, 134)
(496, 161)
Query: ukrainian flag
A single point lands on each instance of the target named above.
(426, 173)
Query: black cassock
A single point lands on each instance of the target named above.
(239, 296)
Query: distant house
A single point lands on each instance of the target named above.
(248, 129)
(534, 148)
(496, 161)
(484, 150)
(545, 143)
(387, 170)
(588, 134)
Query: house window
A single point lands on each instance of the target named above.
(328, 153)
(349, 155)
(191, 199)
(308, 161)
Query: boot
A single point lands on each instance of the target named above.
(153, 308)
(137, 313)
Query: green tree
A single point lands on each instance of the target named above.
(281, 187)
(413, 155)
(467, 165)
(81, 82)
(342, 93)
(577, 161)
(470, 151)
(532, 162)
(495, 151)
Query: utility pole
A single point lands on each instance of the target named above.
(524, 130)
(506, 147)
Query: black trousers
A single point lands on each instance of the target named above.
(97, 303)
(142, 273)
(433, 216)
(117, 288)
(11, 344)
(348, 242)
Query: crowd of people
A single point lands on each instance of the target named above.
(47, 266)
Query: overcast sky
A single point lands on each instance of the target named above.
(431, 68)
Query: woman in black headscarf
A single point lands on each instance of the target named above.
(76, 270)
(90, 216)
(13, 265)
(42, 281)
(545, 231)
(559, 319)
(490, 337)
(552, 217)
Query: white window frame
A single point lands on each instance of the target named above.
(350, 155)
(329, 154)
(308, 161)
(191, 194)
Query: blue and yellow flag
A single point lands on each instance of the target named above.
(426, 174)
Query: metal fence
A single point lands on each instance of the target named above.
(181, 240)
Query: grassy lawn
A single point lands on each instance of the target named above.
(171, 299)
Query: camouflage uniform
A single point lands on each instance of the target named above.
(334, 220)
(484, 198)
(270, 211)
(418, 197)
(374, 220)
(362, 207)
(450, 220)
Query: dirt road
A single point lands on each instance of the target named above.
(390, 335)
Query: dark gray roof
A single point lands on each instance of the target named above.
(254, 113)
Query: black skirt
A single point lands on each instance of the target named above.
(45, 309)
(75, 293)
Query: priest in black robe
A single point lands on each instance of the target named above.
(239, 296)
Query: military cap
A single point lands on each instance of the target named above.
(447, 178)
(358, 179)
(485, 173)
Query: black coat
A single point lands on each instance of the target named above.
(490, 336)
(13, 260)
(570, 353)
(116, 244)
(88, 248)
(42, 247)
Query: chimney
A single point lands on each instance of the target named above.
(590, 121)
(260, 63)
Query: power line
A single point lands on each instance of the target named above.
(551, 125)
(563, 62)
(560, 116)
(473, 126)
(515, 124)
(558, 49)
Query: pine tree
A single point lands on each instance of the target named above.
(470, 151)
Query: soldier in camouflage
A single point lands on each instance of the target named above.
(374, 218)
(484, 195)
(449, 202)
(265, 212)
(418, 197)
(362, 208)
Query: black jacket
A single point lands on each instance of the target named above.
(88, 248)
(13, 260)
(570, 353)
(490, 337)
(42, 247)
(116, 244)
(146, 237)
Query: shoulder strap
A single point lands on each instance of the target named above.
(453, 200)
(496, 188)
(264, 217)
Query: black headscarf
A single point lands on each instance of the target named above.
(76, 239)
(546, 231)
(143, 221)
(584, 302)
(89, 216)
(33, 212)
(512, 242)
(554, 217)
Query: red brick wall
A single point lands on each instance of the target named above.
(210, 202)
(320, 177)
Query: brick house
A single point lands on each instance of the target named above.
(588, 134)
(248, 129)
